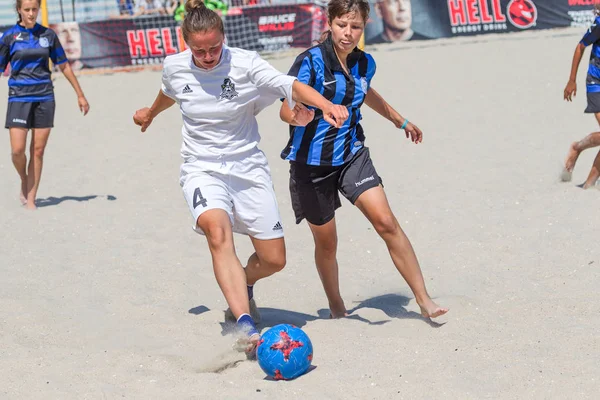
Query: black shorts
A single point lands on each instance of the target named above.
(593, 103)
(39, 114)
(314, 189)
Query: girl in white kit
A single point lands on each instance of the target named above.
(225, 177)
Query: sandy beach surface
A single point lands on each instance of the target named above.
(107, 293)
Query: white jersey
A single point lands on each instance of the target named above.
(219, 105)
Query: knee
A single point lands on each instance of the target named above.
(217, 237)
(386, 225)
(38, 151)
(17, 151)
(326, 246)
(274, 262)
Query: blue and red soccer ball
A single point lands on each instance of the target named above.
(284, 352)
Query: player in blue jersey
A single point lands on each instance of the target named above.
(591, 37)
(325, 159)
(28, 47)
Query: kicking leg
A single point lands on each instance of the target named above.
(228, 270)
(374, 205)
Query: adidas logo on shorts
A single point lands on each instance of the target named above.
(187, 89)
(278, 227)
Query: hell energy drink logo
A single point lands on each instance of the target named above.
(522, 13)
(474, 16)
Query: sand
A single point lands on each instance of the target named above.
(106, 292)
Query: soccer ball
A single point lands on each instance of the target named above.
(284, 352)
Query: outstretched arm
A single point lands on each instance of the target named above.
(571, 88)
(264, 75)
(143, 117)
(334, 114)
(67, 71)
(379, 105)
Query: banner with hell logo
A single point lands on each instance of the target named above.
(148, 40)
(271, 28)
(430, 19)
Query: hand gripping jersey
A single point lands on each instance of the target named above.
(28, 52)
(219, 105)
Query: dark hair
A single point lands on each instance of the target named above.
(338, 8)
(19, 4)
(199, 18)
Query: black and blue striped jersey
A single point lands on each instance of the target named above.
(319, 143)
(592, 37)
(28, 52)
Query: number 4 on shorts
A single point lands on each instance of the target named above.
(198, 198)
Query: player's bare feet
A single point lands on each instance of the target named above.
(337, 309)
(22, 195)
(30, 206)
(572, 157)
(431, 310)
(338, 315)
(588, 184)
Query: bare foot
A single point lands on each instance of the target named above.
(338, 310)
(30, 206)
(572, 157)
(588, 185)
(431, 310)
(22, 195)
(338, 316)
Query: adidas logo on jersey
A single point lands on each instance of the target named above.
(187, 89)
(278, 227)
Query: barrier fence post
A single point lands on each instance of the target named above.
(44, 10)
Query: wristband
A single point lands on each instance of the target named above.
(404, 124)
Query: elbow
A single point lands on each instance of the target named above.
(283, 114)
(296, 86)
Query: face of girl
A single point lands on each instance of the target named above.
(206, 48)
(29, 11)
(346, 31)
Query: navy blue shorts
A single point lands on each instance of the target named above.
(39, 114)
(593, 103)
(315, 190)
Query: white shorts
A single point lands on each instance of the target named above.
(239, 185)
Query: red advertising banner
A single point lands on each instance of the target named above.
(270, 28)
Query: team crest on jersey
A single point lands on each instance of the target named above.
(363, 84)
(44, 42)
(228, 90)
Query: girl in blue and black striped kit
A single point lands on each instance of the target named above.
(325, 160)
(28, 47)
